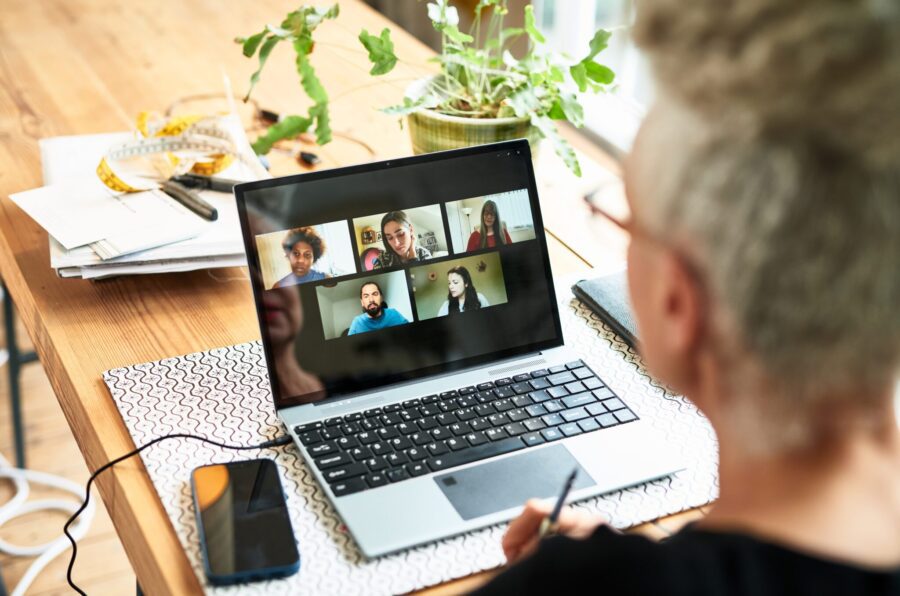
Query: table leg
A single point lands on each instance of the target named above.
(16, 360)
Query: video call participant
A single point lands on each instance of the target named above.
(303, 247)
(400, 245)
(491, 231)
(376, 314)
(461, 294)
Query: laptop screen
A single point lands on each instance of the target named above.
(392, 271)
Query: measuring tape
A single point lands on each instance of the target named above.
(169, 147)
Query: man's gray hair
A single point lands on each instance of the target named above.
(781, 184)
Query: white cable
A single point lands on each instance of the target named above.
(17, 506)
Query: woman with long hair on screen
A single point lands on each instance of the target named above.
(491, 231)
(400, 244)
(461, 293)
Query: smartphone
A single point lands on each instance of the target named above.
(245, 529)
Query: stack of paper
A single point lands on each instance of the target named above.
(95, 232)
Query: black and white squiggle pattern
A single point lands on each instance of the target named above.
(224, 394)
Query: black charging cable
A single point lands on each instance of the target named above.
(283, 440)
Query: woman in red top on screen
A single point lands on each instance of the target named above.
(491, 232)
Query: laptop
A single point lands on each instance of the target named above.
(415, 351)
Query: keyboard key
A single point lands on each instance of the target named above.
(485, 386)
(613, 404)
(543, 372)
(557, 392)
(554, 406)
(459, 430)
(580, 399)
(515, 429)
(366, 437)
(484, 451)
(392, 408)
(351, 428)
(360, 453)
(440, 434)
(502, 382)
(344, 472)
(582, 373)
(574, 414)
(606, 420)
(347, 487)
(503, 405)
(416, 453)
(420, 438)
(521, 388)
(498, 419)
(557, 369)
(504, 392)
(407, 428)
(532, 439)
(484, 397)
(373, 412)
(592, 383)
(485, 409)
(480, 424)
(436, 448)
(551, 434)
(455, 444)
(448, 394)
(574, 364)
(302, 428)
(427, 423)
(396, 459)
(588, 425)
(376, 480)
(390, 419)
(476, 439)
(429, 410)
(561, 378)
(429, 399)
(397, 475)
(534, 424)
(409, 415)
(346, 443)
(370, 424)
(417, 469)
(570, 430)
(553, 419)
(310, 437)
(376, 464)
(536, 410)
(495, 434)
(520, 401)
(445, 419)
(596, 409)
(333, 421)
(625, 415)
(448, 405)
(521, 378)
(467, 390)
(465, 414)
(411, 403)
(320, 449)
(354, 417)
(400, 443)
(540, 383)
(328, 434)
(517, 415)
(380, 448)
(575, 387)
(467, 402)
(603, 393)
(539, 396)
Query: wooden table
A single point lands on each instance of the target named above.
(88, 66)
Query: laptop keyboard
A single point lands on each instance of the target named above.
(380, 446)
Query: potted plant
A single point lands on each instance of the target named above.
(482, 93)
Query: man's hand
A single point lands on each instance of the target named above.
(521, 538)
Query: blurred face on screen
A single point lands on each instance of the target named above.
(456, 285)
(489, 217)
(283, 314)
(371, 300)
(301, 258)
(399, 237)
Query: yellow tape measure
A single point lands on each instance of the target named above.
(167, 147)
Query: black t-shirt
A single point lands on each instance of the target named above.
(692, 562)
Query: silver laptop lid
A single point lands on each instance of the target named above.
(393, 271)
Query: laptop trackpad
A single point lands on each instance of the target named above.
(509, 482)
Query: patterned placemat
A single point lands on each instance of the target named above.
(224, 394)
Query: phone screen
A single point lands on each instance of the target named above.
(245, 529)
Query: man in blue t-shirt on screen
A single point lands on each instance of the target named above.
(376, 314)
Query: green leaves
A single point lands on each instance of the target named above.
(579, 75)
(264, 52)
(562, 148)
(290, 126)
(587, 69)
(599, 73)
(598, 44)
(381, 51)
(316, 92)
(413, 105)
(530, 26)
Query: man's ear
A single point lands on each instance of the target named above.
(682, 303)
